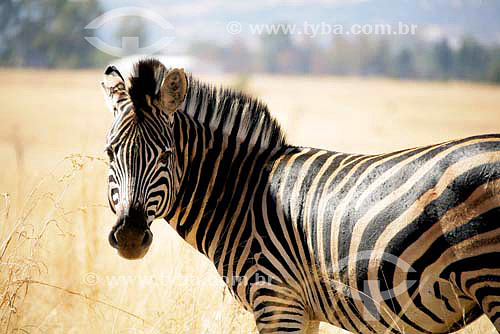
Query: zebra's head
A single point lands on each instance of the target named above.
(143, 165)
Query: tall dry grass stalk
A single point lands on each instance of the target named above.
(20, 253)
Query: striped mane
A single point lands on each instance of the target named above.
(221, 109)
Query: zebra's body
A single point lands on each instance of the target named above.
(406, 242)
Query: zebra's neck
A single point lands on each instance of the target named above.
(224, 142)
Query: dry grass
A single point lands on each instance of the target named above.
(54, 216)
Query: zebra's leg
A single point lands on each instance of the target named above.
(488, 298)
(481, 284)
(269, 320)
(278, 316)
(313, 327)
(479, 277)
(480, 287)
(284, 326)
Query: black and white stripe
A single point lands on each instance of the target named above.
(405, 242)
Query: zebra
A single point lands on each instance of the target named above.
(404, 242)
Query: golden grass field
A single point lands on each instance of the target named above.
(58, 273)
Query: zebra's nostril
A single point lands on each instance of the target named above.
(148, 237)
(112, 239)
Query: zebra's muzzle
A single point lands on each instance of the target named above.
(131, 237)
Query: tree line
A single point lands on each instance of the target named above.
(363, 56)
(50, 34)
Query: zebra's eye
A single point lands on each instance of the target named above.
(109, 152)
(164, 156)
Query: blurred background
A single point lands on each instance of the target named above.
(453, 39)
(366, 76)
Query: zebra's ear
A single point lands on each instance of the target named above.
(174, 89)
(113, 86)
(112, 78)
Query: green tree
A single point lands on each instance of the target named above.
(380, 59)
(494, 72)
(404, 65)
(47, 33)
(443, 59)
(471, 61)
(276, 49)
(344, 57)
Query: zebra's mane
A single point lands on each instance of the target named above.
(221, 109)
